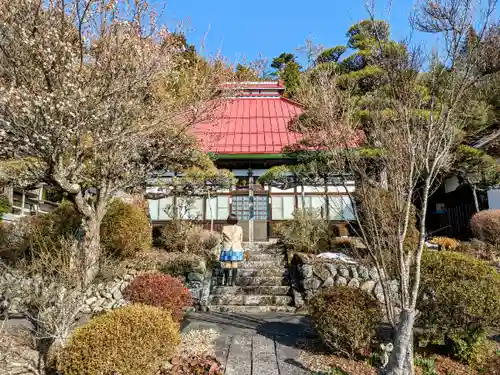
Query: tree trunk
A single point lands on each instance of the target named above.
(401, 359)
(474, 194)
(211, 213)
(384, 178)
(91, 247)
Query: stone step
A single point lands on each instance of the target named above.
(255, 290)
(250, 300)
(262, 263)
(250, 309)
(263, 256)
(256, 272)
(261, 248)
(261, 281)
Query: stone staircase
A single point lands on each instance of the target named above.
(262, 284)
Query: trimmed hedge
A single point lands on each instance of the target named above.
(460, 300)
(346, 319)
(160, 290)
(125, 230)
(131, 340)
(485, 226)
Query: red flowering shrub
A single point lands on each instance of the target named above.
(160, 290)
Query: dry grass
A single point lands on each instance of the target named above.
(198, 343)
(446, 365)
(314, 358)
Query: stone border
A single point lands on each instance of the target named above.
(310, 274)
(16, 291)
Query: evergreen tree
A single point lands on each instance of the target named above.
(331, 55)
(291, 78)
(287, 69)
(246, 73)
(279, 63)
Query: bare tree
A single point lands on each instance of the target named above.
(97, 96)
(311, 50)
(52, 287)
(414, 128)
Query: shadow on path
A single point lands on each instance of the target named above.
(285, 329)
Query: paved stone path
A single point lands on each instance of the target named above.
(256, 344)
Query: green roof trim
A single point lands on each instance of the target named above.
(251, 156)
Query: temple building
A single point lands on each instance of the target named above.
(248, 138)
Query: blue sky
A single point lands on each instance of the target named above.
(244, 29)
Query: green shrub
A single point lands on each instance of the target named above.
(179, 264)
(427, 365)
(45, 231)
(174, 235)
(125, 230)
(188, 237)
(160, 290)
(468, 347)
(460, 299)
(491, 363)
(485, 226)
(346, 319)
(307, 232)
(131, 340)
(4, 205)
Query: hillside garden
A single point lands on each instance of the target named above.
(98, 97)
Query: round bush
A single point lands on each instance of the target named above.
(131, 340)
(346, 319)
(125, 229)
(45, 231)
(160, 290)
(485, 226)
(460, 299)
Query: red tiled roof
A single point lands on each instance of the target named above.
(276, 85)
(251, 125)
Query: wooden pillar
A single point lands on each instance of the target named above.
(23, 201)
(327, 199)
(295, 193)
(251, 207)
(175, 211)
(9, 193)
(269, 211)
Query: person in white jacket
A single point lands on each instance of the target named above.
(232, 250)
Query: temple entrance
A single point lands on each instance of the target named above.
(242, 207)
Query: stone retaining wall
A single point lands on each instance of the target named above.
(310, 274)
(16, 292)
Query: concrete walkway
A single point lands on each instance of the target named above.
(256, 344)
